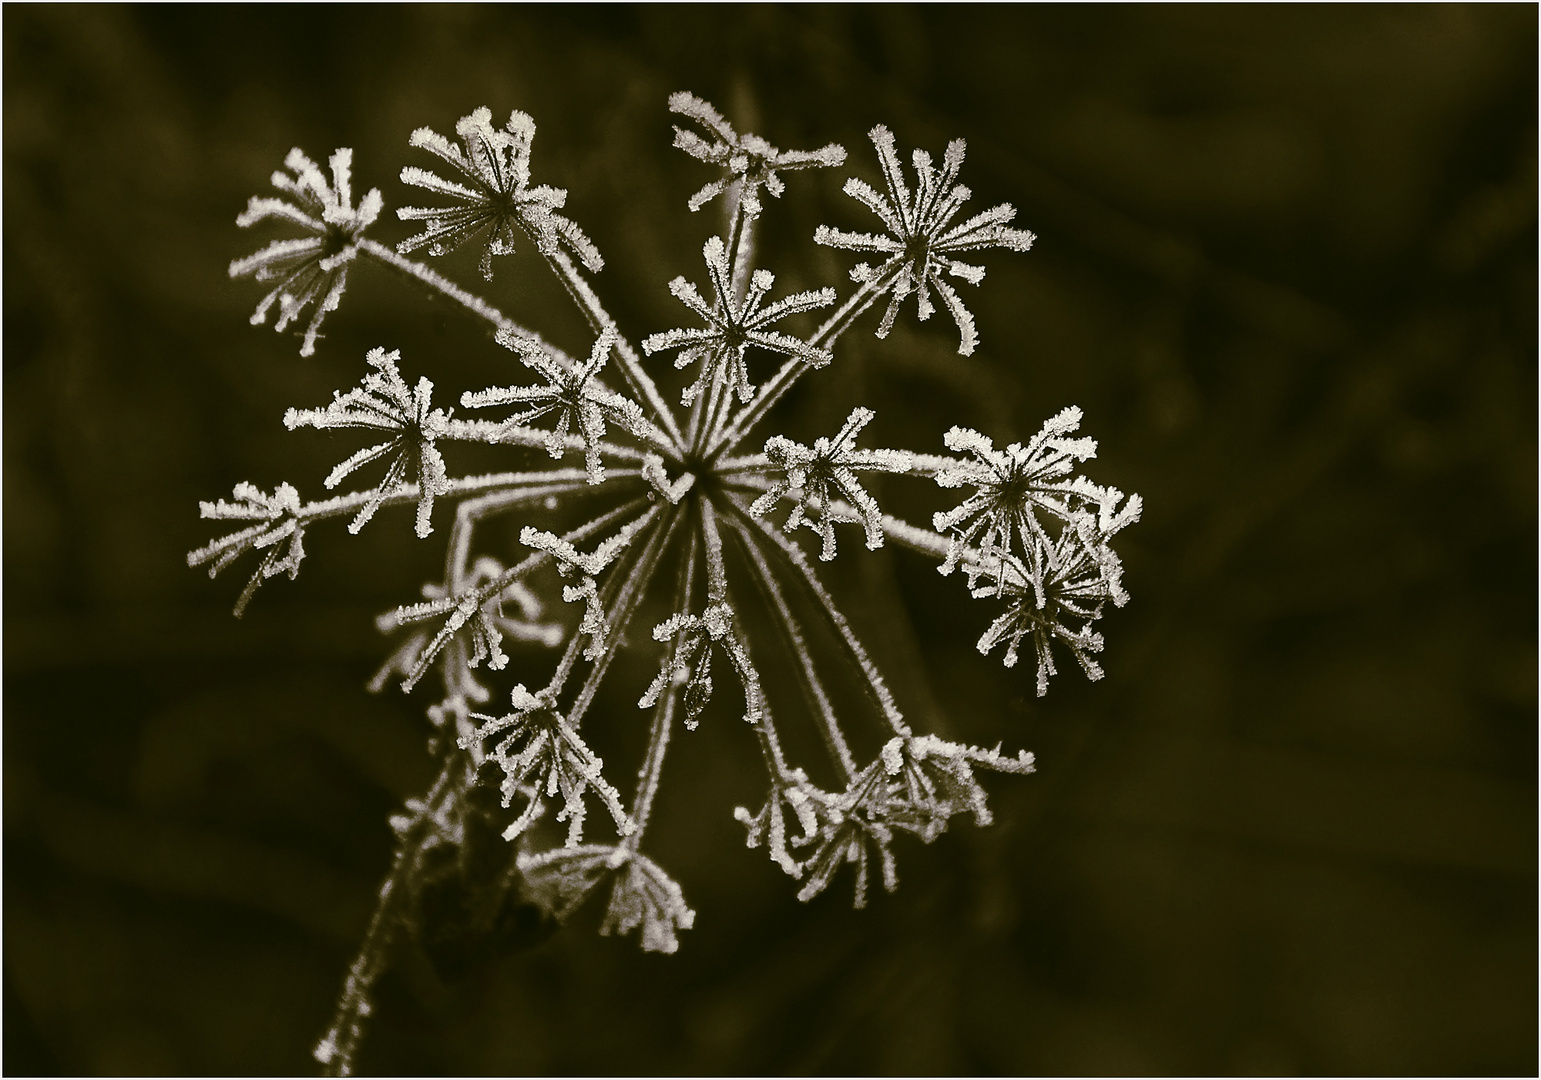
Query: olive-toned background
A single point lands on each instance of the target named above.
(1287, 267)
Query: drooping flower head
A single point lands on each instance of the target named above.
(922, 243)
(643, 896)
(689, 663)
(277, 519)
(478, 626)
(539, 749)
(1064, 582)
(311, 268)
(495, 200)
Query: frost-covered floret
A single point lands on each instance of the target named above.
(1068, 581)
(384, 402)
(813, 476)
(496, 197)
(573, 392)
(921, 241)
(690, 661)
(311, 268)
(277, 518)
(750, 161)
(541, 750)
(733, 324)
(1012, 486)
(769, 826)
(570, 561)
(938, 776)
(475, 628)
(850, 825)
(642, 896)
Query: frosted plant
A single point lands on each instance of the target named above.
(665, 516)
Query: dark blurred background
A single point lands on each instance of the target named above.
(1287, 265)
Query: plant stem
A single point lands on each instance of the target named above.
(631, 364)
(732, 433)
(445, 287)
(338, 1048)
(663, 716)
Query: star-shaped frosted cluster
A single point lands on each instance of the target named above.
(747, 160)
(311, 268)
(733, 325)
(921, 242)
(492, 200)
(386, 404)
(814, 476)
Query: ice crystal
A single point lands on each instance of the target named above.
(673, 511)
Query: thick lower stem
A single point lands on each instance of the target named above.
(338, 1049)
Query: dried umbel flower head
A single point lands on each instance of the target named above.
(678, 509)
(313, 267)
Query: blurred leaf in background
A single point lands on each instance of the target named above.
(1287, 266)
